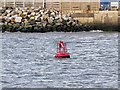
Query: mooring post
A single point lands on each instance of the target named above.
(23, 3)
(5, 3)
(33, 3)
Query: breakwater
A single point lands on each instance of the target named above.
(39, 20)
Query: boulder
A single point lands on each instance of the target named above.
(32, 22)
(9, 18)
(45, 19)
(33, 13)
(25, 13)
(8, 15)
(18, 19)
(19, 11)
(32, 18)
(36, 17)
(58, 24)
(8, 11)
(1, 17)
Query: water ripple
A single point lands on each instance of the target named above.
(28, 60)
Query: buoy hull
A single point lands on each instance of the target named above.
(65, 55)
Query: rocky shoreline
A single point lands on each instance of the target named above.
(39, 20)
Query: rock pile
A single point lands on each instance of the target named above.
(38, 20)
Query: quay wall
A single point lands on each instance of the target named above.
(98, 17)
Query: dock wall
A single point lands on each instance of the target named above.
(98, 17)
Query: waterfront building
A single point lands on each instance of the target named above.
(114, 6)
(93, 5)
(74, 5)
(104, 5)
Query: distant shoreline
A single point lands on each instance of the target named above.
(45, 20)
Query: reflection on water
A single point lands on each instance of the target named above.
(28, 60)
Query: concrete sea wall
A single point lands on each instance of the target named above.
(98, 17)
(105, 20)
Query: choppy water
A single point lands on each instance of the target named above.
(28, 60)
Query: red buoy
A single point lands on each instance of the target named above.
(62, 50)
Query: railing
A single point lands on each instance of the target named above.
(21, 3)
(61, 5)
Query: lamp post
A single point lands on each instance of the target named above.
(5, 3)
(99, 4)
(33, 3)
(23, 3)
(43, 3)
(109, 4)
(61, 5)
(14, 3)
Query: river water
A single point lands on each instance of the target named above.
(28, 60)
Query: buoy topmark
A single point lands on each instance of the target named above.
(62, 50)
